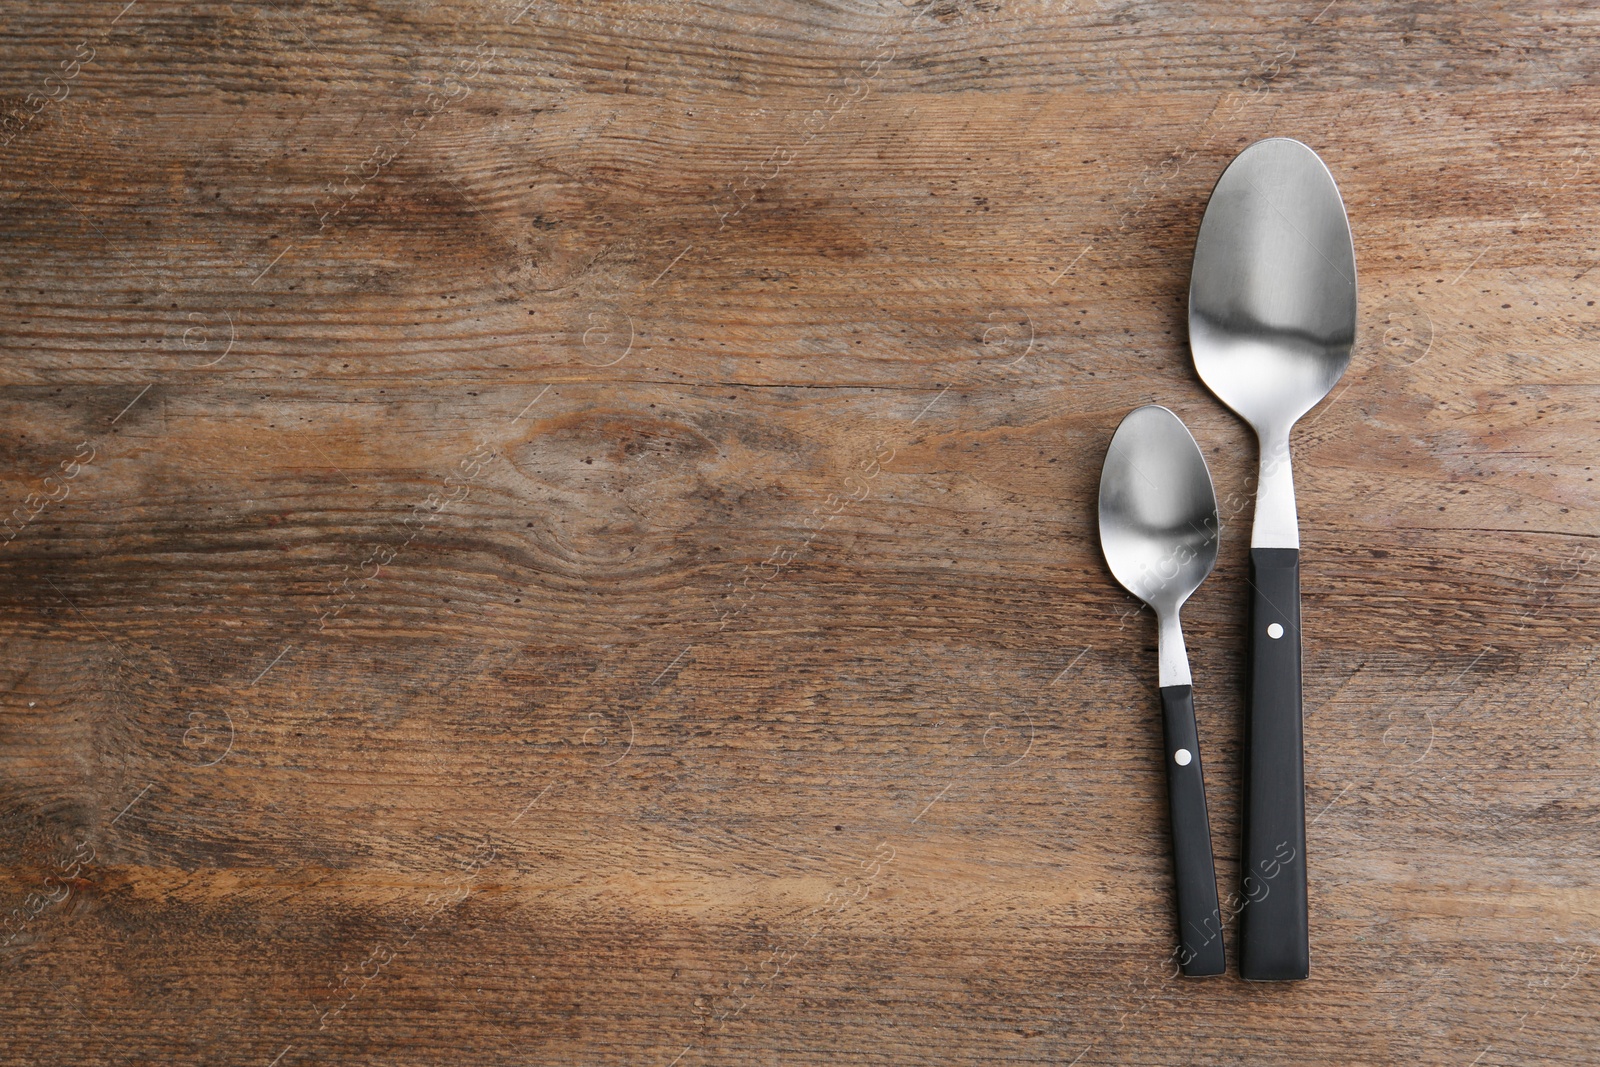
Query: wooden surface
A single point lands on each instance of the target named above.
(563, 534)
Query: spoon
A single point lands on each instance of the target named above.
(1158, 530)
(1272, 318)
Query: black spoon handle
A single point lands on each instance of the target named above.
(1274, 939)
(1199, 918)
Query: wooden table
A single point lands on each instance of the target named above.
(563, 534)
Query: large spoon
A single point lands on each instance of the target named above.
(1272, 318)
(1158, 530)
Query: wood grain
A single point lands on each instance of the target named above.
(564, 535)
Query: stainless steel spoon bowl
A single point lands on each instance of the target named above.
(1158, 522)
(1158, 530)
(1272, 306)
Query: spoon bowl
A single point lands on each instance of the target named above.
(1158, 509)
(1272, 297)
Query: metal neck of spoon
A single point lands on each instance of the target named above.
(1276, 524)
(1172, 656)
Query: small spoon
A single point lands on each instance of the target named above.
(1272, 318)
(1158, 530)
